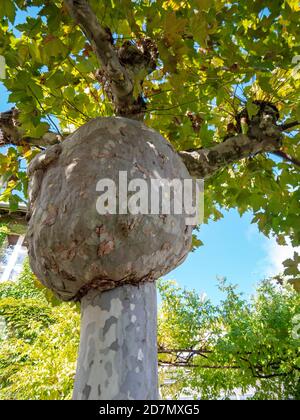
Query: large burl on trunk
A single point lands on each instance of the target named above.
(109, 261)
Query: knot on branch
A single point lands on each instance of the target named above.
(265, 111)
(142, 54)
(262, 125)
(138, 60)
(9, 126)
(263, 128)
(123, 68)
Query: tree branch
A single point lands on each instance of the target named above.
(288, 126)
(123, 69)
(190, 351)
(100, 40)
(263, 136)
(190, 365)
(255, 374)
(12, 134)
(186, 361)
(287, 157)
(203, 163)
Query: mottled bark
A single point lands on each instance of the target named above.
(74, 246)
(118, 351)
(100, 39)
(119, 67)
(203, 163)
(263, 135)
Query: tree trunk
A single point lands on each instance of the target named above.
(118, 348)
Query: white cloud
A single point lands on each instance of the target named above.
(252, 233)
(271, 264)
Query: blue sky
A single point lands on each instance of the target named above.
(233, 248)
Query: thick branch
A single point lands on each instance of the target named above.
(122, 85)
(203, 163)
(12, 134)
(263, 136)
(123, 69)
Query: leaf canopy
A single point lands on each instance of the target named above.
(215, 56)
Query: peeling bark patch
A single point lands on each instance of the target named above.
(125, 360)
(91, 352)
(67, 276)
(86, 392)
(114, 346)
(108, 324)
(69, 169)
(166, 247)
(105, 248)
(100, 230)
(51, 216)
(108, 368)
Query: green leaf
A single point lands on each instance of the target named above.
(204, 4)
(252, 109)
(8, 9)
(14, 201)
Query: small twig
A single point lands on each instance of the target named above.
(287, 157)
(290, 125)
(186, 365)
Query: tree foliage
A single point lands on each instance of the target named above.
(3, 233)
(215, 57)
(238, 346)
(204, 349)
(38, 343)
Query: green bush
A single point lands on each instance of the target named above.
(3, 233)
(25, 287)
(38, 348)
(240, 344)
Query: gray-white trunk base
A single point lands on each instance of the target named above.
(118, 345)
